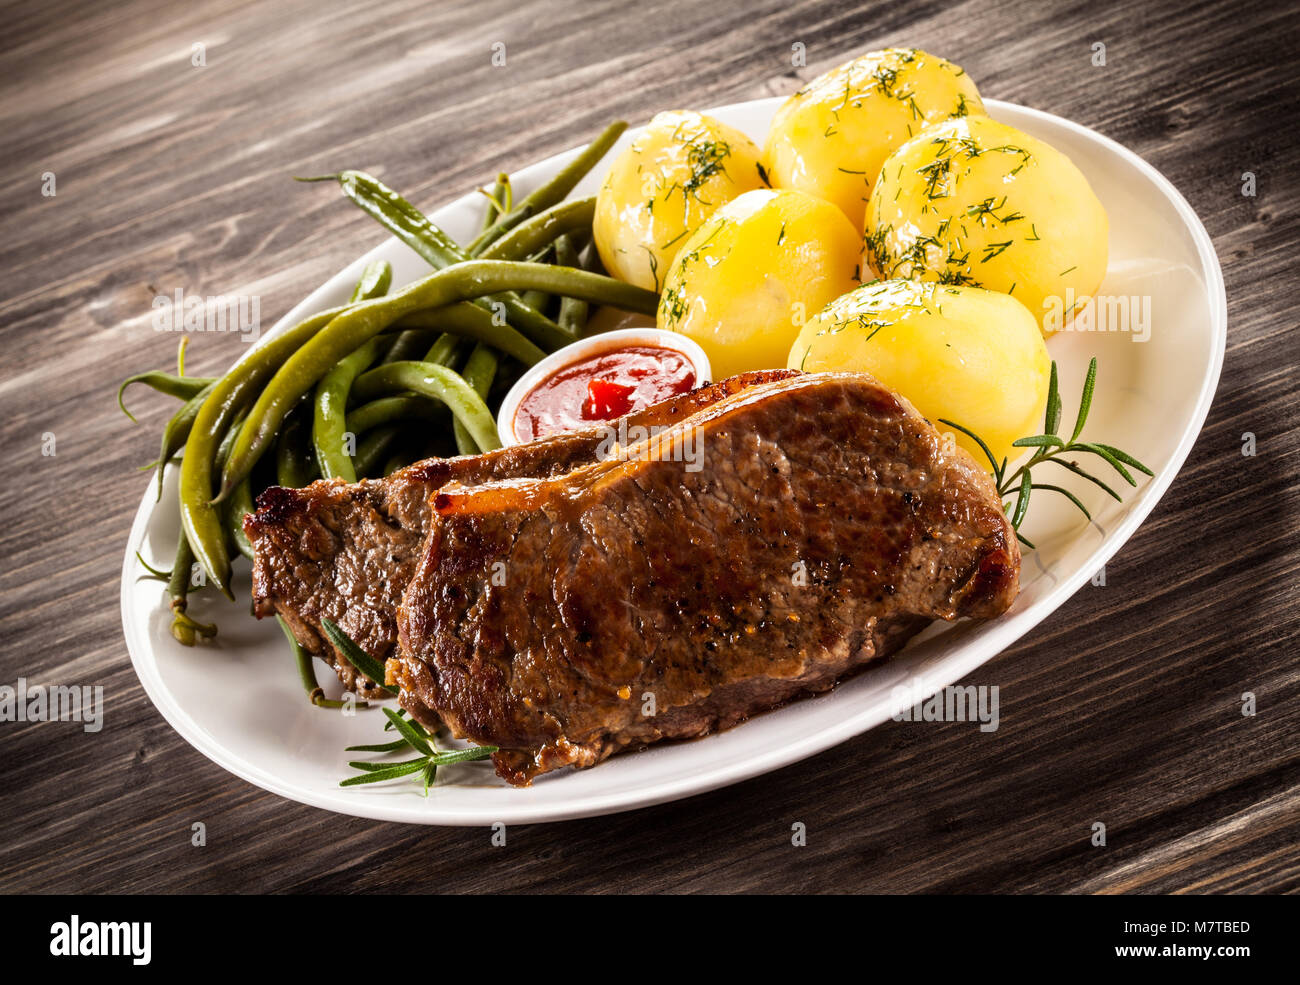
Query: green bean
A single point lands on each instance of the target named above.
(472, 322)
(242, 495)
(440, 383)
(386, 410)
(295, 462)
(372, 448)
(328, 431)
(413, 228)
(537, 300)
(228, 440)
(240, 503)
(360, 323)
(178, 583)
(448, 350)
(185, 629)
(177, 432)
(542, 230)
(573, 311)
(199, 516)
(443, 351)
(479, 372)
(185, 387)
(553, 192)
(461, 355)
(408, 344)
(375, 280)
(395, 462)
(529, 321)
(398, 216)
(580, 240)
(307, 673)
(500, 201)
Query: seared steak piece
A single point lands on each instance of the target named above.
(346, 552)
(565, 619)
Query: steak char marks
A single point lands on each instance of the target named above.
(347, 551)
(828, 524)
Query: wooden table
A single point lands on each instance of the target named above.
(1124, 707)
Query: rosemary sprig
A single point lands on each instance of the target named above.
(379, 747)
(354, 655)
(1052, 448)
(416, 737)
(412, 735)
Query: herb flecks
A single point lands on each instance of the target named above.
(987, 211)
(994, 249)
(706, 158)
(945, 255)
(672, 305)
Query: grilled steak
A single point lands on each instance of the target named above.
(564, 619)
(346, 551)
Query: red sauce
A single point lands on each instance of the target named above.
(602, 387)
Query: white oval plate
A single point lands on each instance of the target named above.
(239, 702)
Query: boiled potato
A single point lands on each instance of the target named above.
(676, 174)
(748, 279)
(979, 203)
(963, 354)
(831, 137)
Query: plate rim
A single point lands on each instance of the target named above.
(1005, 632)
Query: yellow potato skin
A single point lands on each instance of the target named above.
(679, 170)
(747, 280)
(980, 203)
(831, 137)
(962, 354)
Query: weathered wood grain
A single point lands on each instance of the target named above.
(1122, 708)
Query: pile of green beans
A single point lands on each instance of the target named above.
(362, 388)
(360, 323)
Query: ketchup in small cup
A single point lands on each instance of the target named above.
(603, 387)
(601, 379)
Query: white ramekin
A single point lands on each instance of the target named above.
(575, 351)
